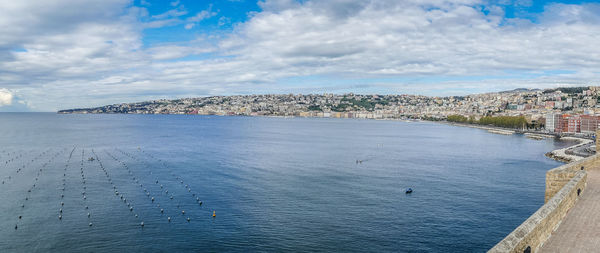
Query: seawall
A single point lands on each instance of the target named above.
(564, 184)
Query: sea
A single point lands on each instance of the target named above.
(87, 183)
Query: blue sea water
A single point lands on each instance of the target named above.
(275, 184)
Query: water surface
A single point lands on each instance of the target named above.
(275, 184)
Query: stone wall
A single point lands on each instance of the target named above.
(563, 186)
(556, 178)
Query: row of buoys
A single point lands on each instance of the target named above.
(179, 179)
(64, 180)
(164, 164)
(133, 177)
(28, 162)
(136, 181)
(117, 193)
(28, 194)
(84, 188)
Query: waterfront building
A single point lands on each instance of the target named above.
(563, 124)
(552, 122)
(574, 124)
(589, 123)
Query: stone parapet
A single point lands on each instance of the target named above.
(564, 184)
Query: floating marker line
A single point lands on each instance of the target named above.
(33, 187)
(179, 180)
(151, 196)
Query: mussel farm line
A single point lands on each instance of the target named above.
(29, 165)
(63, 185)
(26, 164)
(10, 158)
(33, 187)
(84, 188)
(152, 196)
(118, 194)
(169, 170)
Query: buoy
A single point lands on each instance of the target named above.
(214, 214)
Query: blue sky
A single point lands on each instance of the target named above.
(227, 13)
(62, 53)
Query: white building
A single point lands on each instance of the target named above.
(552, 121)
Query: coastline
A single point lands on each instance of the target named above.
(565, 154)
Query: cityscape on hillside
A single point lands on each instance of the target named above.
(568, 110)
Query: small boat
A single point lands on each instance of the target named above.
(409, 190)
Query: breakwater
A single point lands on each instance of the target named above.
(566, 154)
(564, 185)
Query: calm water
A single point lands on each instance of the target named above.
(275, 184)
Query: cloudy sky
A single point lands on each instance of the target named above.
(58, 54)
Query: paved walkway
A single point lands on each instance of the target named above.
(580, 229)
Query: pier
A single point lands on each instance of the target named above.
(569, 219)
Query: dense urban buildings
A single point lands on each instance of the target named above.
(560, 110)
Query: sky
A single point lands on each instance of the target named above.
(60, 54)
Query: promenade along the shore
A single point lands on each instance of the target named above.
(569, 221)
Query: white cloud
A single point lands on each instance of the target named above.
(171, 13)
(189, 26)
(174, 51)
(224, 21)
(205, 14)
(71, 55)
(6, 97)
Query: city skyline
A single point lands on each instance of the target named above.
(64, 54)
(562, 110)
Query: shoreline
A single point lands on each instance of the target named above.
(562, 154)
(565, 155)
